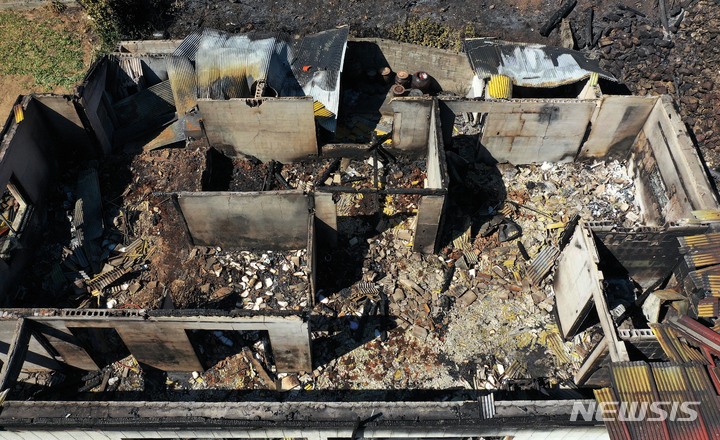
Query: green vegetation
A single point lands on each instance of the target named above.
(39, 48)
(106, 19)
(426, 32)
(126, 19)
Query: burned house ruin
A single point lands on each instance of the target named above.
(239, 236)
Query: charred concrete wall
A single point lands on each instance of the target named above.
(270, 220)
(669, 174)
(269, 129)
(26, 161)
(411, 124)
(450, 69)
(62, 119)
(155, 338)
(426, 419)
(578, 286)
(96, 107)
(431, 207)
(615, 125)
(531, 132)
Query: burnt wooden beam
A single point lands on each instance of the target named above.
(555, 19)
(590, 13)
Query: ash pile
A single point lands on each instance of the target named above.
(668, 48)
(249, 280)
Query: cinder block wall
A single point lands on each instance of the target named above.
(451, 69)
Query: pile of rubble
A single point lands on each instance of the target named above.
(679, 60)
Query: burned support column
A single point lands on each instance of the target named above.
(16, 355)
(430, 212)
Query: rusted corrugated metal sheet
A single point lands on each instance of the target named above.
(675, 349)
(707, 279)
(697, 241)
(633, 382)
(673, 386)
(615, 426)
(530, 65)
(542, 263)
(678, 385)
(704, 391)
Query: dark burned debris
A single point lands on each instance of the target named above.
(305, 274)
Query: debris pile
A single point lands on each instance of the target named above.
(677, 58)
(597, 191)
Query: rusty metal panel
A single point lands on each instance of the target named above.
(673, 386)
(542, 263)
(705, 392)
(616, 428)
(675, 349)
(633, 382)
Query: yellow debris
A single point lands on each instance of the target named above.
(500, 87)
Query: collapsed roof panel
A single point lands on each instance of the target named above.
(230, 66)
(317, 63)
(530, 65)
(183, 82)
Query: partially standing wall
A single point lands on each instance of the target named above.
(669, 174)
(97, 110)
(26, 163)
(280, 129)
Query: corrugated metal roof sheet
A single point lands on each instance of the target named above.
(317, 63)
(616, 427)
(542, 263)
(675, 349)
(227, 65)
(633, 382)
(685, 386)
(148, 103)
(703, 389)
(530, 65)
(673, 386)
(183, 82)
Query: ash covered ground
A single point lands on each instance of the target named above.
(486, 329)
